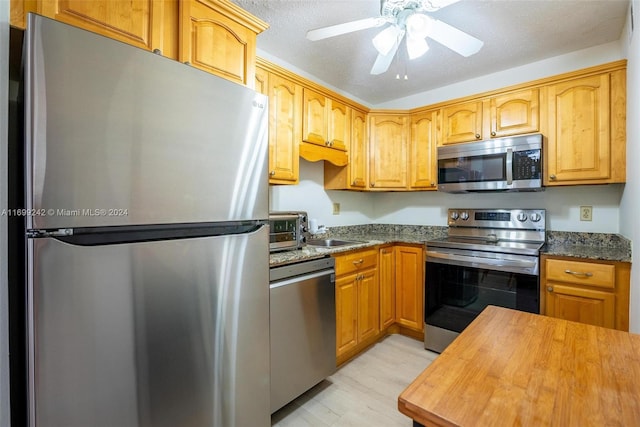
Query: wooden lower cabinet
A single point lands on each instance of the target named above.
(593, 292)
(357, 302)
(386, 275)
(409, 283)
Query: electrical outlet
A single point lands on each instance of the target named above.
(585, 213)
(336, 208)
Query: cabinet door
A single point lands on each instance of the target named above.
(388, 145)
(346, 313)
(580, 305)
(422, 162)
(409, 286)
(579, 133)
(339, 121)
(315, 118)
(285, 101)
(386, 277)
(368, 305)
(262, 81)
(214, 38)
(461, 123)
(138, 23)
(358, 154)
(514, 113)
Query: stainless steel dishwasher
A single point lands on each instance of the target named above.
(303, 328)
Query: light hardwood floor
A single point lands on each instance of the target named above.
(363, 392)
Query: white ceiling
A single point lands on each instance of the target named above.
(515, 32)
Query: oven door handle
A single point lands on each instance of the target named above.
(481, 261)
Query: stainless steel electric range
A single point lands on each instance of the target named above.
(490, 257)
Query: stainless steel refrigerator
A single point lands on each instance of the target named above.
(146, 200)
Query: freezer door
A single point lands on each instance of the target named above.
(154, 334)
(117, 135)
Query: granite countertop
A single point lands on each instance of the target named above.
(593, 246)
(364, 236)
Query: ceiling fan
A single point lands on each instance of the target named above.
(410, 18)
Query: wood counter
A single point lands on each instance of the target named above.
(515, 368)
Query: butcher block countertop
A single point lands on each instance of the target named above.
(515, 368)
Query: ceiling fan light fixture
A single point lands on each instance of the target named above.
(419, 25)
(416, 47)
(386, 39)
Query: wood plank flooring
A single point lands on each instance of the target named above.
(363, 392)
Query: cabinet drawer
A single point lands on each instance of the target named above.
(584, 273)
(356, 261)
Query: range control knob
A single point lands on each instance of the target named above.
(522, 217)
(535, 217)
(464, 216)
(454, 215)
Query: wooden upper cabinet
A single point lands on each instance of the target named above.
(148, 24)
(422, 160)
(508, 114)
(219, 37)
(326, 121)
(513, 113)
(388, 145)
(358, 153)
(461, 123)
(585, 139)
(285, 105)
(354, 175)
(261, 83)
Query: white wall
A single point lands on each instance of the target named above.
(562, 205)
(310, 196)
(630, 205)
(4, 311)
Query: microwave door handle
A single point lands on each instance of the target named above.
(509, 166)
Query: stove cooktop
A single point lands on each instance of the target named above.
(501, 246)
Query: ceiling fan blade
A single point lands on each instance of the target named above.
(454, 39)
(384, 61)
(347, 27)
(433, 5)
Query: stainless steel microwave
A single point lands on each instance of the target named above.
(502, 164)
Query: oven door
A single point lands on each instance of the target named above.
(459, 284)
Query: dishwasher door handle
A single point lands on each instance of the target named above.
(302, 278)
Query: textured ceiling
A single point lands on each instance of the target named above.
(515, 32)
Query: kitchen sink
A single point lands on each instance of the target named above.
(329, 243)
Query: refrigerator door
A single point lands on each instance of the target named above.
(118, 136)
(153, 334)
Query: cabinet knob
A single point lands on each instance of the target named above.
(373, 184)
(493, 134)
(272, 173)
(552, 177)
(358, 262)
(550, 288)
(157, 51)
(354, 182)
(477, 136)
(433, 184)
(187, 63)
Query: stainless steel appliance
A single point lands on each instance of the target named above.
(287, 230)
(146, 238)
(303, 328)
(490, 257)
(503, 164)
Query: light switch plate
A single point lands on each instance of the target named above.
(336, 208)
